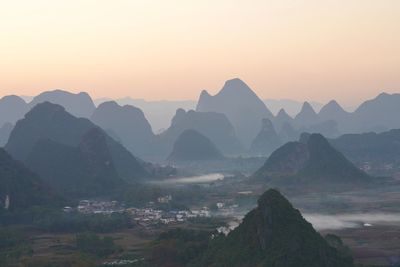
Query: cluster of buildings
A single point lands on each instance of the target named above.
(164, 199)
(99, 207)
(121, 262)
(149, 216)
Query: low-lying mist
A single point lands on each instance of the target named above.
(343, 221)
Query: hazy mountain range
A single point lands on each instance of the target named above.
(232, 119)
(240, 104)
(158, 113)
(292, 107)
(370, 147)
(214, 126)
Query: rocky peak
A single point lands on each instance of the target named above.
(267, 140)
(282, 114)
(307, 116)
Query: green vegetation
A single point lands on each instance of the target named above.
(13, 244)
(272, 235)
(178, 247)
(76, 222)
(23, 188)
(98, 246)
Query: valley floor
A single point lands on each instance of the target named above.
(367, 220)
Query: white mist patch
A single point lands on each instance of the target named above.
(201, 179)
(342, 221)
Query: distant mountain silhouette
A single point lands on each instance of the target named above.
(128, 123)
(312, 161)
(86, 170)
(79, 105)
(158, 113)
(193, 146)
(214, 126)
(23, 188)
(288, 133)
(240, 104)
(5, 132)
(282, 118)
(307, 116)
(327, 128)
(267, 140)
(333, 111)
(379, 114)
(274, 234)
(51, 121)
(370, 147)
(292, 107)
(12, 108)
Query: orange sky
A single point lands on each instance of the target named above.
(299, 49)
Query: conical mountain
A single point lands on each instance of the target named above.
(281, 118)
(332, 111)
(193, 146)
(51, 121)
(20, 187)
(307, 116)
(326, 162)
(313, 161)
(214, 126)
(267, 140)
(274, 234)
(128, 123)
(79, 105)
(240, 104)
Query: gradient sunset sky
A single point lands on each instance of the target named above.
(172, 49)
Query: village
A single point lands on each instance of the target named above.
(145, 216)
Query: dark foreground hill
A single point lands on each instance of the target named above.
(66, 150)
(193, 146)
(312, 161)
(274, 234)
(87, 169)
(19, 187)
